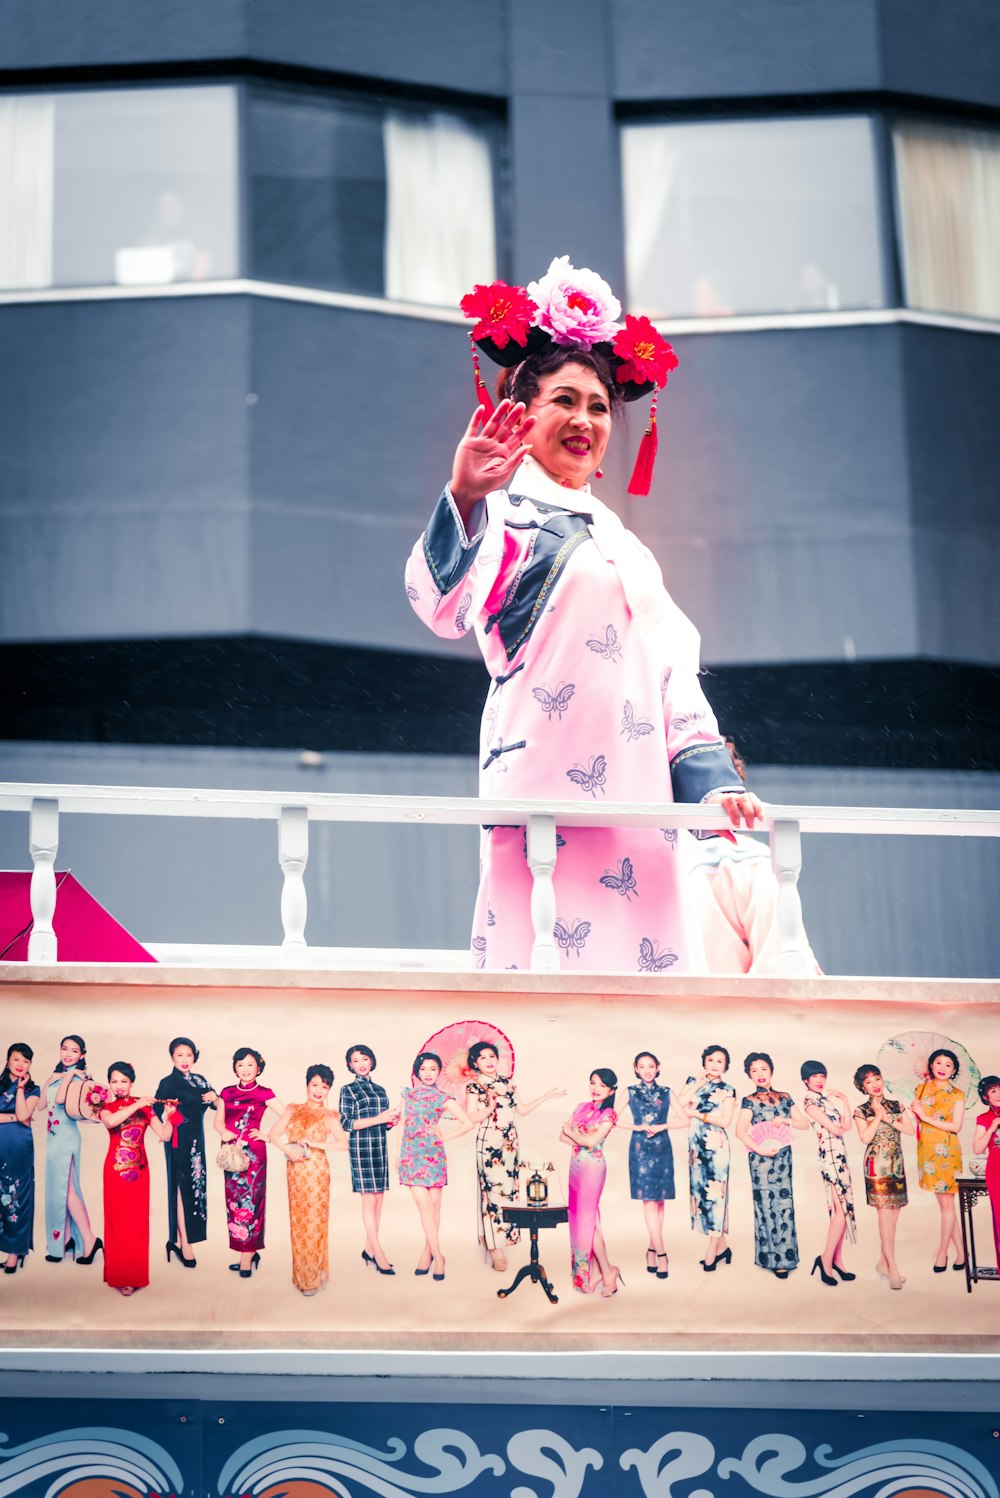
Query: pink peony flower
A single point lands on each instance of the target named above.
(575, 307)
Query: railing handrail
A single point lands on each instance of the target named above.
(333, 806)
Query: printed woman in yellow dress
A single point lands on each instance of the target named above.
(309, 1130)
(939, 1108)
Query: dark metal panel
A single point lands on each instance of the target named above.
(942, 51)
(83, 33)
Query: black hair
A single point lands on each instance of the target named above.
(477, 1048)
(522, 382)
(247, 1050)
(125, 1067)
(984, 1087)
(748, 1061)
(319, 1070)
(812, 1069)
(867, 1069)
(425, 1056)
(710, 1048)
(23, 1049)
(639, 1057)
(943, 1051)
(183, 1040)
(609, 1079)
(365, 1050)
(77, 1040)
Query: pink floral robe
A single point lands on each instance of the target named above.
(588, 701)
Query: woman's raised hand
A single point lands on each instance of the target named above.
(489, 452)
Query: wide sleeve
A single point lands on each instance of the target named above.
(348, 1109)
(700, 763)
(454, 578)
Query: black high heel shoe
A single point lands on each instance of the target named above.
(959, 1267)
(89, 1258)
(371, 1259)
(70, 1247)
(175, 1248)
(663, 1274)
(827, 1279)
(651, 1268)
(845, 1274)
(245, 1274)
(13, 1268)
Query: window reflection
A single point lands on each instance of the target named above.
(729, 218)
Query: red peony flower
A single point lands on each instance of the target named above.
(646, 355)
(504, 312)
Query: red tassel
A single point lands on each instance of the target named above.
(642, 473)
(482, 392)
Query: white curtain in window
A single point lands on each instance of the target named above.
(948, 186)
(650, 158)
(27, 168)
(440, 237)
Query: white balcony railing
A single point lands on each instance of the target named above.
(785, 824)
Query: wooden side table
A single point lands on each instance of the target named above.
(533, 1218)
(970, 1189)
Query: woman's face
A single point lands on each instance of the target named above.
(598, 1089)
(317, 1090)
(69, 1054)
(646, 1069)
(993, 1097)
(245, 1069)
(715, 1063)
(759, 1073)
(816, 1082)
(428, 1073)
(942, 1068)
(572, 424)
(873, 1084)
(18, 1064)
(360, 1064)
(119, 1084)
(487, 1063)
(183, 1058)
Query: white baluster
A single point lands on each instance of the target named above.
(43, 842)
(293, 855)
(542, 863)
(786, 861)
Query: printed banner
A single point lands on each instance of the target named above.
(86, 1448)
(727, 1173)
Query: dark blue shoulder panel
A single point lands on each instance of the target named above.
(553, 542)
(446, 557)
(701, 769)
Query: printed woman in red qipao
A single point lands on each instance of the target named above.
(126, 1180)
(245, 1104)
(987, 1142)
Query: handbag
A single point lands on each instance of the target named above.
(232, 1157)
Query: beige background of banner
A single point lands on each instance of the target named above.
(558, 1037)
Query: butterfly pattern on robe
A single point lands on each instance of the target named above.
(623, 883)
(412, 593)
(571, 938)
(462, 612)
(670, 836)
(651, 959)
(479, 947)
(681, 721)
(554, 702)
(632, 727)
(593, 778)
(609, 648)
(491, 919)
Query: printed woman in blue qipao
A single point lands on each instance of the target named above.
(366, 1118)
(711, 1103)
(650, 1156)
(19, 1097)
(765, 1123)
(66, 1212)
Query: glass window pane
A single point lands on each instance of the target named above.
(136, 186)
(353, 197)
(728, 218)
(948, 200)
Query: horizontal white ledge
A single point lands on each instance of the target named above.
(182, 801)
(758, 322)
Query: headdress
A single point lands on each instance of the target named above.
(572, 308)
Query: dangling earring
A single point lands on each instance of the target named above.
(598, 474)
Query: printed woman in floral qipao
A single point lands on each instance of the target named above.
(587, 1131)
(309, 1129)
(423, 1165)
(650, 1156)
(939, 1109)
(67, 1221)
(19, 1097)
(987, 1142)
(765, 1122)
(184, 1152)
(880, 1120)
(126, 1181)
(497, 1158)
(711, 1103)
(595, 693)
(829, 1113)
(245, 1104)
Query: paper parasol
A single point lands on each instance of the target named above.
(452, 1045)
(771, 1128)
(902, 1060)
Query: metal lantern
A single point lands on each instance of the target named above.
(537, 1189)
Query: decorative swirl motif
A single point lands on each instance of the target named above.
(138, 1467)
(315, 1457)
(887, 1470)
(694, 1457)
(526, 1451)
